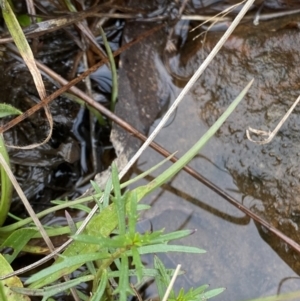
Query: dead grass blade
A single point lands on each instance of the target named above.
(26, 203)
(270, 134)
(73, 82)
(20, 40)
(188, 86)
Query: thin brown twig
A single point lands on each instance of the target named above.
(73, 82)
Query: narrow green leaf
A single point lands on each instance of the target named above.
(8, 110)
(118, 200)
(17, 240)
(136, 260)
(172, 236)
(101, 287)
(132, 215)
(53, 289)
(162, 248)
(123, 287)
(107, 191)
(199, 290)
(141, 207)
(145, 272)
(71, 223)
(104, 242)
(213, 293)
(64, 267)
(6, 185)
(67, 204)
(194, 150)
(162, 279)
(96, 187)
(147, 172)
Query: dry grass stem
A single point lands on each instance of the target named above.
(26, 204)
(270, 134)
(188, 86)
(217, 18)
(170, 286)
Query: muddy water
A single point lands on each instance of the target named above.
(237, 258)
(267, 172)
(265, 178)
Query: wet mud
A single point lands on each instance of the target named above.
(57, 168)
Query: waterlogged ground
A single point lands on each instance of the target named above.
(265, 178)
(266, 172)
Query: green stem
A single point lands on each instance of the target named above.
(6, 185)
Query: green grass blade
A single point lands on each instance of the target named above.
(118, 200)
(162, 279)
(123, 287)
(63, 267)
(17, 240)
(213, 293)
(6, 185)
(189, 155)
(8, 110)
(172, 236)
(162, 248)
(53, 289)
(101, 287)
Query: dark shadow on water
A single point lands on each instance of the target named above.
(187, 197)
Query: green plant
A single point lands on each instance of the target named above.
(6, 186)
(124, 246)
(97, 245)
